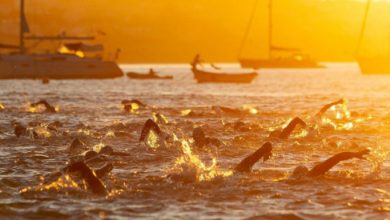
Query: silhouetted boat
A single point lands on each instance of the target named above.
(294, 59)
(68, 63)
(374, 65)
(150, 75)
(371, 65)
(203, 76)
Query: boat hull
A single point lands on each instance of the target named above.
(275, 63)
(208, 77)
(56, 66)
(140, 76)
(378, 65)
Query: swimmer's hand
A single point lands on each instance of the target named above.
(340, 101)
(362, 154)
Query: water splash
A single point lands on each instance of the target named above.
(190, 168)
(109, 134)
(98, 147)
(153, 140)
(185, 112)
(42, 131)
(377, 157)
(250, 109)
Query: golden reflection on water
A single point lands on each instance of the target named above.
(191, 168)
(63, 183)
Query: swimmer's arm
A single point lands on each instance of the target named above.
(247, 163)
(328, 164)
(94, 183)
(328, 106)
(101, 172)
(149, 125)
(290, 127)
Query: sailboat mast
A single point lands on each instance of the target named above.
(270, 30)
(363, 30)
(21, 31)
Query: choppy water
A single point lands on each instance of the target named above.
(141, 185)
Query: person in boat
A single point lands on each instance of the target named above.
(265, 152)
(152, 73)
(196, 61)
(48, 107)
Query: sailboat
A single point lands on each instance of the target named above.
(70, 62)
(295, 57)
(371, 65)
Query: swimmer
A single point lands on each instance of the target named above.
(88, 175)
(19, 130)
(160, 118)
(286, 132)
(108, 150)
(104, 170)
(328, 106)
(128, 104)
(226, 110)
(149, 125)
(48, 107)
(328, 164)
(77, 146)
(247, 163)
(201, 140)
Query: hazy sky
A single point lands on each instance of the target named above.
(174, 30)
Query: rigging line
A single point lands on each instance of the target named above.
(248, 28)
(363, 30)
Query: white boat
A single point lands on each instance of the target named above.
(68, 63)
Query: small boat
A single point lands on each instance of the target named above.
(203, 76)
(151, 75)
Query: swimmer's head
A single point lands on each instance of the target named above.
(90, 154)
(300, 171)
(108, 150)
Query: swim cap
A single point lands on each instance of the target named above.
(300, 171)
